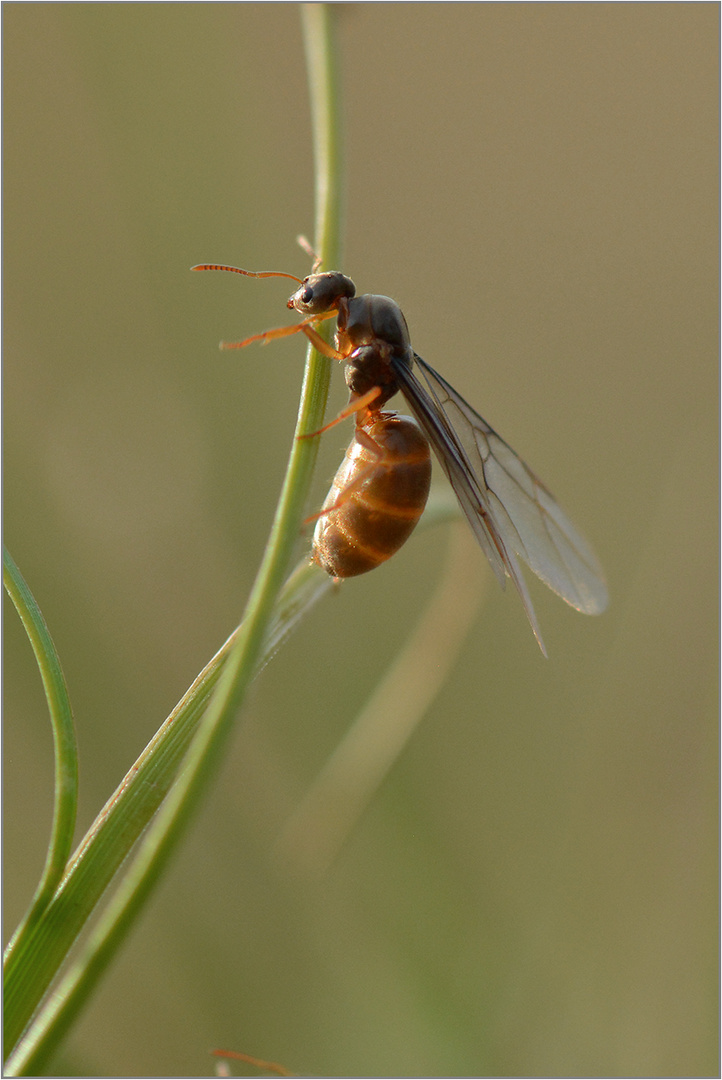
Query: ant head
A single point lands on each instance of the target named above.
(319, 293)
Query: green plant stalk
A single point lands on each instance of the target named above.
(206, 750)
(65, 749)
(326, 123)
(205, 753)
(127, 813)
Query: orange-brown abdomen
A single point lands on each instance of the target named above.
(377, 496)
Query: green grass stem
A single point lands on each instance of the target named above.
(66, 755)
(229, 675)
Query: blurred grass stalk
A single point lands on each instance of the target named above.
(321, 823)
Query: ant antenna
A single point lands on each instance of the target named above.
(248, 273)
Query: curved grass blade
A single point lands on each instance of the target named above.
(65, 748)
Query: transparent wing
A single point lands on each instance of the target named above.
(508, 507)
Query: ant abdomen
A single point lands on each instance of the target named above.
(377, 496)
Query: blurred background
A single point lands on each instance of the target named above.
(533, 888)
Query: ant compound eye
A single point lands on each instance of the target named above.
(307, 295)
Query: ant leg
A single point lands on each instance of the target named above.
(355, 406)
(373, 447)
(282, 331)
(317, 341)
